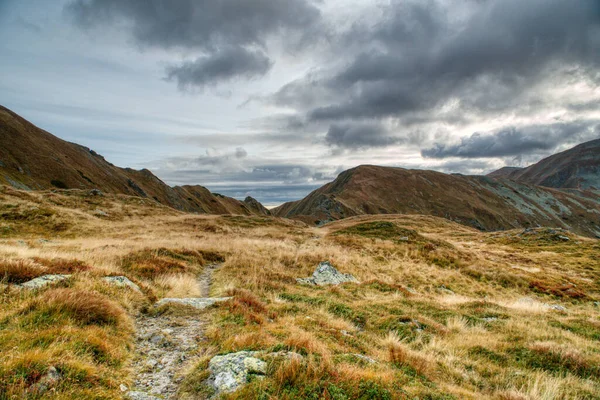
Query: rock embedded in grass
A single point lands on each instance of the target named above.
(199, 303)
(121, 281)
(230, 372)
(45, 280)
(326, 274)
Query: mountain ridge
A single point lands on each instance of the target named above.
(575, 168)
(482, 202)
(34, 159)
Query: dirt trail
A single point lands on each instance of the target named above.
(164, 345)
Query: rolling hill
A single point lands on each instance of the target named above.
(33, 159)
(576, 168)
(481, 202)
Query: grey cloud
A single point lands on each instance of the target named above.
(224, 65)
(231, 35)
(359, 135)
(479, 56)
(513, 142)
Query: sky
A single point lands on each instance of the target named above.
(273, 98)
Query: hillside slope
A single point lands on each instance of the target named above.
(576, 168)
(480, 202)
(33, 159)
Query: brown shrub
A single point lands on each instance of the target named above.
(558, 290)
(245, 303)
(62, 266)
(19, 271)
(153, 263)
(84, 307)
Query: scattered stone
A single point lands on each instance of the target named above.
(326, 274)
(199, 303)
(490, 319)
(44, 281)
(556, 307)
(47, 381)
(123, 388)
(563, 238)
(231, 371)
(99, 213)
(597, 304)
(364, 358)
(121, 281)
(410, 290)
(136, 395)
(404, 239)
(444, 289)
(96, 192)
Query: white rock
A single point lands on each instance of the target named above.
(45, 280)
(121, 281)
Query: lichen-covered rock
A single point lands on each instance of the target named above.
(231, 371)
(199, 303)
(326, 274)
(45, 280)
(121, 281)
(136, 395)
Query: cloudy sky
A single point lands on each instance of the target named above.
(273, 98)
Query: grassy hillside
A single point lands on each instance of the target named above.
(442, 311)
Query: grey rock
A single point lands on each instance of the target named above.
(231, 371)
(490, 319)
(45, 280)
(96, 192)
(121, 281)
(556, 307)
(326, 274)
(199, 303)
(444, 289)
(99, 213)
(563, 238)
(123, 388)
(597, 304)
(135, 395)
(47, 381)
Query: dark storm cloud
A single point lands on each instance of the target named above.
(481, 57)
(233, 62)
(359, 135)
(513, 142)
(229, 34)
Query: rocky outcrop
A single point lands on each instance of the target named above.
(326, 274)
(45, 280)
(121, 281)
(231, 371)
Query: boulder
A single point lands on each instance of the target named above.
(326, 274)
(121, 281)
(199, 303)
(45, 280)
(231, 371)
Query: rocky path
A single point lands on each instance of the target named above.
(164, 345)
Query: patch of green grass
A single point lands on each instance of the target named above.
(299, 298)
(343, 311)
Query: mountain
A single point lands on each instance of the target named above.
(33, 159)
(478, 201)
(576, 168)
(256, 207)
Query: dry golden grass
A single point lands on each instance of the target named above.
(449, 304)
